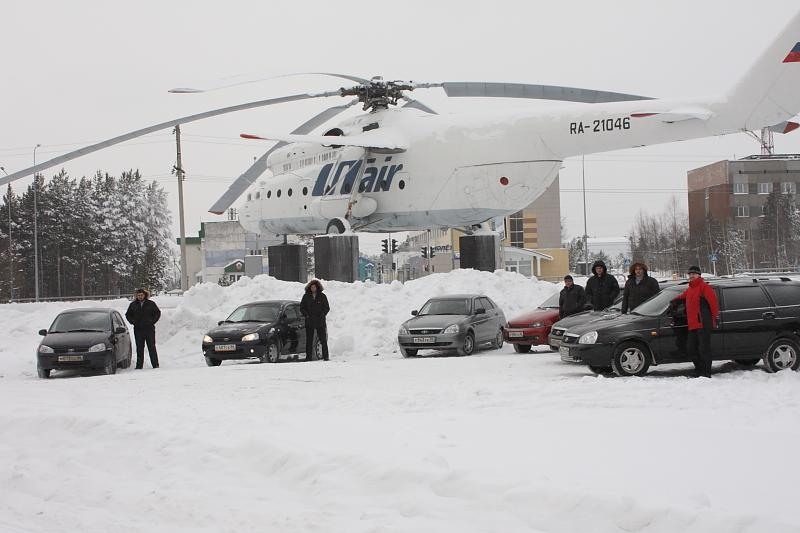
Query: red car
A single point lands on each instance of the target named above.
(532, 327)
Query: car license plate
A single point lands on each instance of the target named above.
(512, 333)
(564, 351)
(224, 347)
(424, 340)
(67, 358)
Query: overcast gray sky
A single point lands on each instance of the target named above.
(79, 72)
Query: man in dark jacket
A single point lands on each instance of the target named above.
(143, 313)
(572, 298)
(601, 289)
(639, 287)
(314, 307)
(702, 312)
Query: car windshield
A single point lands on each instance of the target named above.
(659, 303)
(255, 313)
(551, 302)
(458, 306)
(81, 321)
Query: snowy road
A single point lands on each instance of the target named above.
(496, 442)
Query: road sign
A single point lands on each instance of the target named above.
(712, 258)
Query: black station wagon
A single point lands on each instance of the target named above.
(759, 320)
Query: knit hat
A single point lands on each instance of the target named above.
(694, 269)
(567, 277)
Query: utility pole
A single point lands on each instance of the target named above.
(180, 174)
(35, 230)
(585, 230)
(10, 247)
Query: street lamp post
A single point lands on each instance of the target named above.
(35, 230)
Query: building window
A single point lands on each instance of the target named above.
(763, 210)
(708, 193)
(789, 187)
(742, 211)
(745, 234)
(740, 188)
(764, 188)
(516, 235)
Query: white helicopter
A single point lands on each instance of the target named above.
(416, 169)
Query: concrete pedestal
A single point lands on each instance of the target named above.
(336, 257)
(287, 262)
(480, 252)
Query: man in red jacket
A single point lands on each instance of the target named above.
(702, 311)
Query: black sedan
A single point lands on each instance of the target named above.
(268, 331)
(91, 338)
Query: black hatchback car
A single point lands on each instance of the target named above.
(90, 338)
(759, 320)
(268, 331)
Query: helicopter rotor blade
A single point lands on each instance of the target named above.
(533, 91)
(184, 90)
(249, 176)
(150, 129)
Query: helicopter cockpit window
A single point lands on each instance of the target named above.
(335, 132)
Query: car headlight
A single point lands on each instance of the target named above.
(402, 331)
(99, 347)
(588, 338)
(45, 349)
(207, 339)
(451, 329)
(250, 337)
(537, 325)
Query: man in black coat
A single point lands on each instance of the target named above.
(601, 289)
(314, 307)
(572, 298)
(143, 313)
(639, 287)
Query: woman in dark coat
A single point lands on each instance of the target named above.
(639, 287)
(314, 307)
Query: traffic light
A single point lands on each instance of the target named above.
(385, 245)
(394, 246)
(425, 252)
(431, 253)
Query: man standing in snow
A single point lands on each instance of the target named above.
(572, 299)
(314, 307)
(702, 312)
(601, 289)
(639, 287)
(143, 313)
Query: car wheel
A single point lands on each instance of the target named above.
(408, 352)
(468, 345)
(272, 354)
(316, 353)
(522, 348)
(782, 354)
(748, 362)
(44, 373)
(601, 370)
(111, 365)
(498, 340)
(210, 361)
(631, 359)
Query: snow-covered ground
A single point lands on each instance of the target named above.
(372, 442)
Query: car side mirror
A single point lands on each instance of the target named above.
(588, 307)
(42, 332)
(220, 322)
(480, 311)
(120, 329)
(414, 312)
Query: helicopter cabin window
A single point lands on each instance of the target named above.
(287, 167)
(249, 197)
(305, 191)
(258, 195)
(289, 192)
(269, 194)
(279, 193)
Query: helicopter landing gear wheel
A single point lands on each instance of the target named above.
(338, 226)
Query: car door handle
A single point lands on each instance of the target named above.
(768, 315)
